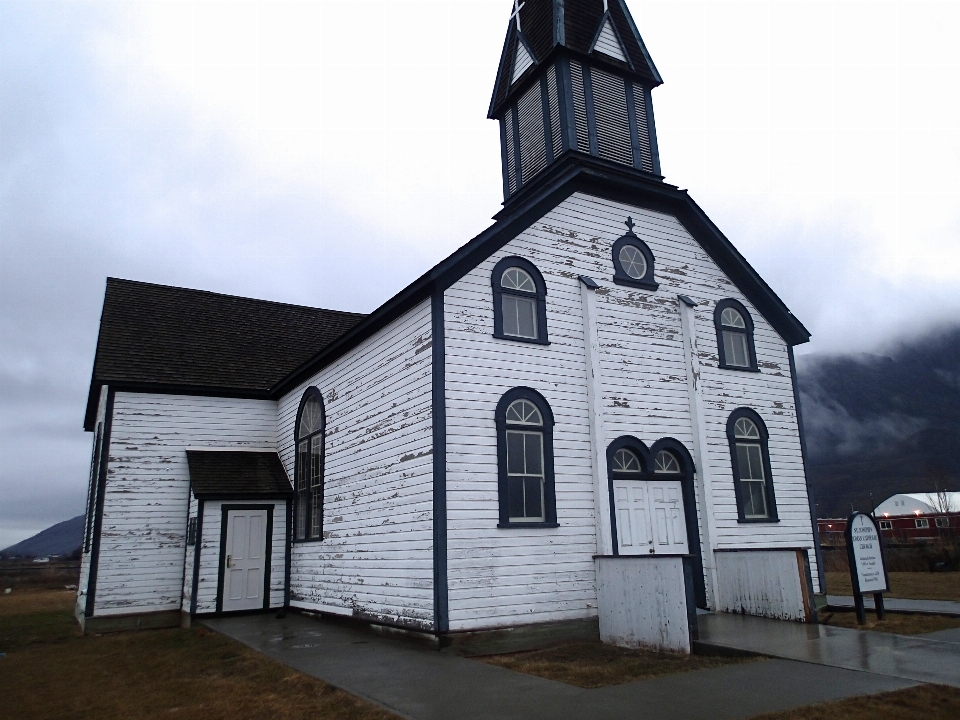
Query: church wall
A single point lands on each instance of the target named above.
(376, 557)
(506, 576)
(141, 561)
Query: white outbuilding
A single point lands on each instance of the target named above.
(918, 504)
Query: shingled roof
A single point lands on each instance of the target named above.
(572, 24)
(222, 473)
(156, 336)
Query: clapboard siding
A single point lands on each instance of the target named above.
(209, 576)
(143, 539)
(644, 389)
(81, 605)
(376, 558)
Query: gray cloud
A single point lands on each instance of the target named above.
(106, 170)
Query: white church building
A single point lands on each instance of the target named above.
(584, 420)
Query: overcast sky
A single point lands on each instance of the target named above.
(328, 153)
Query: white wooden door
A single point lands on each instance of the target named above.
(245, 564)
(649, 517)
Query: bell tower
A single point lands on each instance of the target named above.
(574, 81)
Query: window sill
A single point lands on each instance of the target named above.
(642, 284)
(308, 540)
(521, 525)
(531, 341)
(739, 368)
(758, 520)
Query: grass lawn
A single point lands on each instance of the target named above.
(913, 585)
(593, 664)
(50, 671)
(900, 623)
(924, 702)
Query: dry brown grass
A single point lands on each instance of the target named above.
(593, 664)
(152, 674)
(899, 623)
(913, 585)
(924, 702)
(29, 602)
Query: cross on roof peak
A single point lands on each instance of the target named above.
(517, 7)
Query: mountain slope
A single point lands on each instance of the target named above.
(882, 424)
(60, 539)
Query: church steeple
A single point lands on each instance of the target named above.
(574, 79)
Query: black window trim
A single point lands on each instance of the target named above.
(620, 277)
(310, 392)
(549, 485)
(748, 331)
(768, 474)
(541, 297)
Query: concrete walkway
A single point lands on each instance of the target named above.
(921, 658)
(423, 684)
(938, 607)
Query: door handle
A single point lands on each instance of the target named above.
(229, 561)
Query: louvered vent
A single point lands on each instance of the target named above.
(521, 62)
(608, 44)
(554, 110)
(643, 132)
(511, 160)
(613, 123)
(579, 107)
(533, 145)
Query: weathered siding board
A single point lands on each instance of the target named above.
(146, 501)
(644, 388)
(91, 514)
(767, 583)
(209, 576)
(376, 558)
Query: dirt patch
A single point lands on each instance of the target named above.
(899, 623)
(912, 585)
(151, 674)
(594, 664)
(924, 702)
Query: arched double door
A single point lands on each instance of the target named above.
(652, 503)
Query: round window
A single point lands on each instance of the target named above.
(632, 261)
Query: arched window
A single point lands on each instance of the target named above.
(525, 457)
(750, 461)
(308, 500)
(625, 461)
(666, 463)
(633, 261)
(734, 336)
(519, 301)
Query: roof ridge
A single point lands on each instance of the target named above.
(227, 295)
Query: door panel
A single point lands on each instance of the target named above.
(650, 517)
(245, 564)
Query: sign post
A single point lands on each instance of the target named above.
(868, 568)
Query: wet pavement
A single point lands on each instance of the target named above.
(912, 657)
(942, 607)
(423, 684)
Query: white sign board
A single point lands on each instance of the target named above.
(864, 541)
